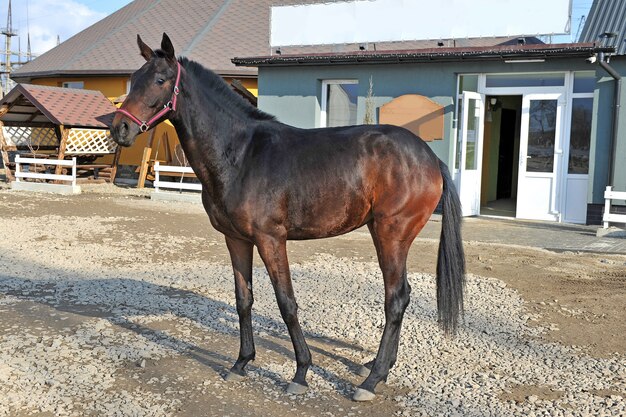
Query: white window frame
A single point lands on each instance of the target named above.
(324, 97)
(74, 84)
(568, 122)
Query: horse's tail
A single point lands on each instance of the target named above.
(451, 259)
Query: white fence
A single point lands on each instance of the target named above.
(178, 185)
(20, 173)
(609, 217)
(31, 173)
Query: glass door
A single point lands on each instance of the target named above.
(470, 145)
(540, 157)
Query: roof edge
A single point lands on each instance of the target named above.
(430, 55)
(28, 76)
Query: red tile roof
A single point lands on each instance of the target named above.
(36, 105)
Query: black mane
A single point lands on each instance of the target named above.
(220, 91)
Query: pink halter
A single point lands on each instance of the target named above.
(170, 105)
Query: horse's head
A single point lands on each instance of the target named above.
(153, 93)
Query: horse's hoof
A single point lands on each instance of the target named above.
(363, 395)
(364, 371)
(296, 389)
(234, 377)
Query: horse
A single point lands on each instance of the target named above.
(265, 182)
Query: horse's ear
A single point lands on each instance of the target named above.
(167, 47)
(145, 50)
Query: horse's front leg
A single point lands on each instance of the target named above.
(273, 251)
(241, 258)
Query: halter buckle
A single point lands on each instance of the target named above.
(176, 90)
(144, 127)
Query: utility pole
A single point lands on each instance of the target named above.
(9, 63)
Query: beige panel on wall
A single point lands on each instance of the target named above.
(416, 113)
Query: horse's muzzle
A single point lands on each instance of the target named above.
(123, 133)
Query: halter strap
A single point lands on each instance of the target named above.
(169, 106)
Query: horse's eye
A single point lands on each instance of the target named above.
(160, 81)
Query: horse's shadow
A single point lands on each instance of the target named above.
(137, 298)
(118, 300)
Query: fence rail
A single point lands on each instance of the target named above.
(20, 173)
(169, 169)
(609, 217)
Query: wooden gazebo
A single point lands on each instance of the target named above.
(54, 122)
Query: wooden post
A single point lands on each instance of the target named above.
(143, 171)
(3, 147)
(145, 160)
(116, 161)
(63, 134)
(168, 152)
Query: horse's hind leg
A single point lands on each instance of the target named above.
(392, 250)
(273, 251)
(241, 258)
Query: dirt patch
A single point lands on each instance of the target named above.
(531, 393)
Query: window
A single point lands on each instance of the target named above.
(584, 82)
(339, 103)
(580, 127)
(526, 80)
(466, 82)
(541, 135)
(74, 84)
(580, 136)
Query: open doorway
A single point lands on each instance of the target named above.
(501, 155)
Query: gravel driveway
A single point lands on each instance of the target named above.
(119, 306)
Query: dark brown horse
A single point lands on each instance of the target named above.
(264, 182)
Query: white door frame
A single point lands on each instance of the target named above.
(532, 183)
(469, 180)
(560, 173)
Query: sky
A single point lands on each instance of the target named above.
(45, 19)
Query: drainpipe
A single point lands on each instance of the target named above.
(602, 61)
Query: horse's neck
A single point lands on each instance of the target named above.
(214, 141)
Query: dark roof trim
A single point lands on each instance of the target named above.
(494, 53)
(29, 76)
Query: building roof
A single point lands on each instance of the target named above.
(210, 32)
(43, 106)
(507, 53)
(606, 16)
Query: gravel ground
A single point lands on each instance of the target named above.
(106, 313)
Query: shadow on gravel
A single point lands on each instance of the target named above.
(119, 299)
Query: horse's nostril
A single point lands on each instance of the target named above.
(124, 128)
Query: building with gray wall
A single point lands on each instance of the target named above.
(538, 141)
